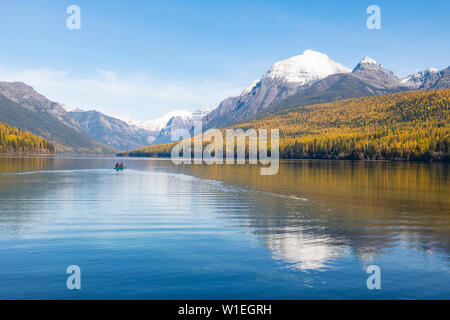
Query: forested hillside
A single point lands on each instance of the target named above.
(403, 126)
(16, 141)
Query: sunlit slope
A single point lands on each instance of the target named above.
(402, 126)
(16, 141)
(408, 125)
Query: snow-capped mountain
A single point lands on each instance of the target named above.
(438, 80)
(180, 123)
(301, 70)
(375, 74)
(155, 125)
(368, 78)
(416, 80)
(374, 69)
(306, 68)
(283, 79)
(158, 130)
(367, 63)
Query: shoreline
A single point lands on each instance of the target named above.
(304, 159)
(24, 154)
(108, 156)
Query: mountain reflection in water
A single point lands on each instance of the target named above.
(225, 231)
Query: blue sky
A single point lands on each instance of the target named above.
(141, 59)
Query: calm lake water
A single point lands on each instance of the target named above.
(160, 231)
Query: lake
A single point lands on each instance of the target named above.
(161, 231)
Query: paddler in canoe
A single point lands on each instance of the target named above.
(119, 166)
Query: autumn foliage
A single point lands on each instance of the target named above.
(403, 126)
(13, 140)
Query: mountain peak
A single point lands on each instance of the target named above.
(158, 123)
(17, 89)
(305, 68)
(309, 52)
(368, 64)
(418, 79)
(368, 60)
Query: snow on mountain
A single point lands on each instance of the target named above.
(368, 60)
(177, 120)
(250, 88)
(72, 109)
(416, 80)
(155, 128)
(158, 123)
(375, 74)
(367, 63)
(284, 78)
(305, 68)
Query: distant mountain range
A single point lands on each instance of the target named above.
(159, 130)
(429, 79)
(312, 78)
(74, 130)
(410, 125)
(125, 134)
(307, 79)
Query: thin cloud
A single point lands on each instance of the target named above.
(133, 95)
